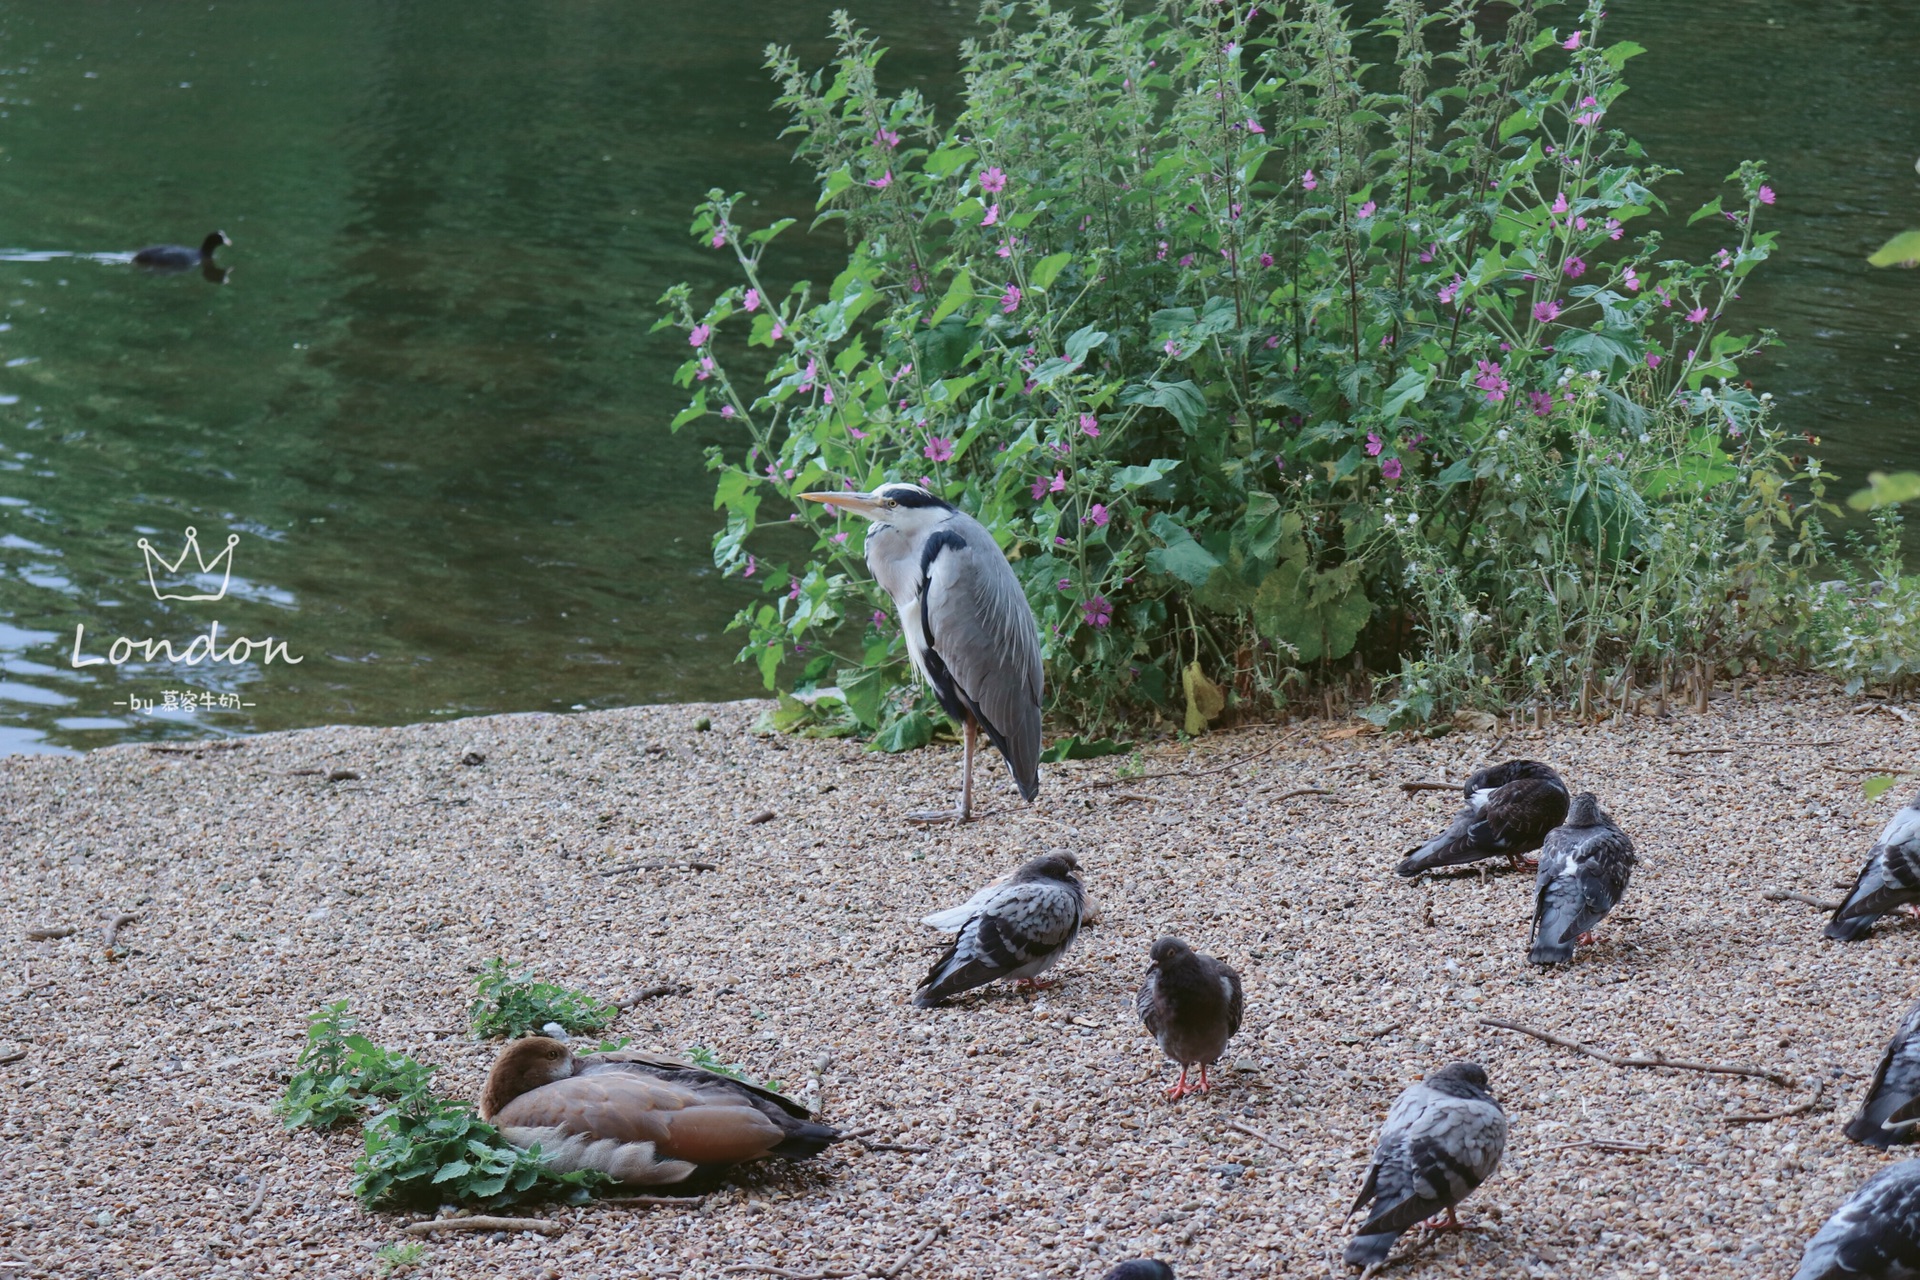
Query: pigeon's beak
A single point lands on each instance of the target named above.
(859, 504)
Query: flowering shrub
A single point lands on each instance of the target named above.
(1253, 363)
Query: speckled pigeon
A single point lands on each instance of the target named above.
(1510, 808)
(1890, 879)
(1584, 867)
(1141, 1269)
(1874, 1235)
(1191, 1004)
(1443, 1138)
(1015, 929)
(1895, 1092)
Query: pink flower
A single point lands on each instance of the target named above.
(879, 618)
(1574, 268)
(1614, 229)
(826, 395)
(1390, 468)
(840, 537)
(752, 300)
(856, 433)
(1490, 380)
(888, 138)
(1273, 340)
(1631, 280)
(993, 182)
(926, 482)
(726, 411)
(1722, 259)
(1696, 315)
(1097, 515)
(1449, 292)
(1766, 194)
(1064, 584)
(1098, 611)
(1187, 260)
(1090, 426)
(793, 588)
(939, 448)
(706, 369)
(779, 332)
(1039, 489)
(719, 238)
(1427, 254)
(1571, 43)
(753, 567)
(1542, 403)
(1005, 250)
(993, 216)
(1308, 181)
(882, 182)
(1374, 445)
(1059, 482)
(1547, 312)
(1162, 255)
(1365, 211)
(1560, 203)
(698, 335)
(1653, 361)
(1010, 300)
(1253, 126)
(1266, 259)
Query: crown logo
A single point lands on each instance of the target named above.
(221, 564)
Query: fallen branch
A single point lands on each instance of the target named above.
(1886, 707)
(1867, 768)
(11, 1058)
(1703, 751)
(42, 933)
(259, 1197)
(871, 1145)
(1613, 1060)
(649, 993)
(545, 1226)
(1252, 1132)
(1810, 1104)
(762, 1269)
(665, 1202)
(1411, 787)
(659, 866)
(1787, 895)
(1303, 791)
(1104, 783)
(1604, 1144)
(765, 815)
(114, 926)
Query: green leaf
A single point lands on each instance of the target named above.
(865, 690)
(698, 409)
(1877, 786)
(1082, 341)
(946, 160)
(1185, 401)
(1047, 270)
(1901, 251)
(909, 733)
(459, 1168)
(1153, 473)
(1408, 388)
(958, 295)
(1706, 210)
(1181, 557)
(1885, 490)
(1616, 55)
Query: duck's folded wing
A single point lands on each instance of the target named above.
(631, 1106)
(684, 1074)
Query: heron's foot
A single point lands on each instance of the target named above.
(930, 817)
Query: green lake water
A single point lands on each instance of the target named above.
(426, 399)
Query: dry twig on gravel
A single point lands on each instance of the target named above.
(761, 1269)
(253, 1206)
(545, 1226)
(665, 1202)
(1251, 1132)
(1810, 1104)
(1603, 1144)
(1786, 895)
(42, 933)
(11, 1058)
(115, 925)
(913, 1251)
(871, 1145)
(1411, 787)
(649, 993)
(659, 866)
(1301, 791)
(1613, 1060)
(1103, 783)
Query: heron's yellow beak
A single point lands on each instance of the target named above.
(859, 504)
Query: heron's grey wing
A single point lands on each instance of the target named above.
(983, 632)
(1875, 1233)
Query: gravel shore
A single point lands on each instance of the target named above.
(1025, 1136)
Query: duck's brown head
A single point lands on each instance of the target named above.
(522, 1067)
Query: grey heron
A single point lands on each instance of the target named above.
(969, 630)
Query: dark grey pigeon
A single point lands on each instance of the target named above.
(1191, 1004)
(1510, 809)
(1015, 929)
(1443, 1138)
(1874, 1235)
(1891, 878)
(1141, 1269)
(1584, 867)
(1892, 1096)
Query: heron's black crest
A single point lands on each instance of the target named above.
(912, 496)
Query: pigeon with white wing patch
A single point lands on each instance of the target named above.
(1584, 867)
(1889, 881)
(1016, 929)
(1443, 1138)
(1509, 811)
(1894, 1095)
(1875, 1235)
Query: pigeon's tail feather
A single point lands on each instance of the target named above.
(1366, 1251)
(1554, 933)
(1450, 848)
(948, 979)
(1851, 929)
(806, 1139)
(1547, 951)
(1868, 1130)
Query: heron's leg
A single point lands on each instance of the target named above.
(969, 734)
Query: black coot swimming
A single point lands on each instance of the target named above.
(178, 257)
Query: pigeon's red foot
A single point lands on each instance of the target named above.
(1447, 1223)
(1586, 939)
(1913, 909)
(1034, 984)
(1206, 1086)
(1178, 1089)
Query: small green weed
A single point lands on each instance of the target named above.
(394, 1258)
(508, 1002)
(431, 1148)
(701, 1056)
(340, 1071)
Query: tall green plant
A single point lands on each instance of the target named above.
(1184, 301)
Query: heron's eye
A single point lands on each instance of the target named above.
(892, 503)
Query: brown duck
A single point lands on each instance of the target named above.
(639, 1118)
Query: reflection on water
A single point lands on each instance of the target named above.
(426, 399)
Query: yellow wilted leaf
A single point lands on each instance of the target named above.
(1901, 251)
(1204, 699)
